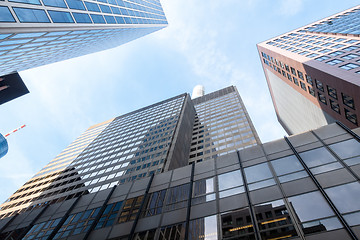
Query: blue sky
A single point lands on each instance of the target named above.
(210, 42)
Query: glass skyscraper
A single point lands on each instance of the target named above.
(39, 32)
(313, 73)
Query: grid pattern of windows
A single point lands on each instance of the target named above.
(314, 210)
(287, 72)
(221, 126)
(27, 50)
(124, 149)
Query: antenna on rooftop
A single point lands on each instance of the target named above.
(6, 135)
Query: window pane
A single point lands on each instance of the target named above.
(310, 206)
(229, 180)
(60, 17)
(293, 176)
(317, 157)
(36, 2)
(203, 228)
(237, 225)
(257, 173)
(262, 184)
(55, 3)
(346, 149)
(82, 18)
(31, 15)
(5, 15)
(326, 168)
(286, 165)
(97, 18)
(231, 192)
(345, 197)
(76, 4)
(353, 218)
(274, 220)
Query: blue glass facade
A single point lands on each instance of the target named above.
(347, 23)
(39, 32)
(3, 146)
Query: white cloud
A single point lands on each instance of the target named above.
(290, 7)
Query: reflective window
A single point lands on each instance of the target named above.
(5, 15)
(286, 165)
(353, 218)
(92, 7)
(257, 173)
(82, 18)
(97, 18)
(177, 197)
(110, 19)
(104, 8)
(31, 15)
(310, 206)
(55, 3)
(203, 228)
(203, 191)
(345, 197)
(274, 220)
(316, 157)
(108, 216)
(76, 4)
(130, 209)
(346, 149)
(155, 203)
(35, 2)
(77, 223)
(230, 180)
(43, 229)
(175, 231)
(60, 17)
(237, 225)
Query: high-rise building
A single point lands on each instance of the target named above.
(222, 125)
(313, 73)
(304, 187)
(148, 141)
(11, 87)
(35, 33)
(3, 146)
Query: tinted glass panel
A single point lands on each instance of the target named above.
(82, 18)
(286, 165)
(60, 17)
(203, 228)
(97, 18)
(36, 2)
(230, 179)
(31, 15)
(104, 8)
(317, 157)
(237, 225)
(257, 173)
(76, 4)
(5, 15)
(346, 149)
(110, 19)
(310, 206)
(92, 7)
(55, 3)
(353, 218)
(345, 197)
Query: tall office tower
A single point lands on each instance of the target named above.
(304, 187)
(132, 146)
(222, 125)
(35, 33)
(313, 73)
(3, 146)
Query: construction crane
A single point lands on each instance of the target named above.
(4, 147)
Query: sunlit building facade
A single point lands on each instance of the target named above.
(35, 33)
(313, 73)
(304, 187)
